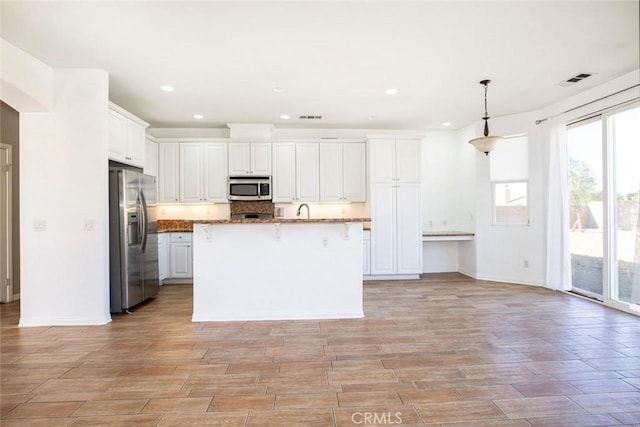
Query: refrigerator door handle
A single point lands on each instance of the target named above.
(145, 225)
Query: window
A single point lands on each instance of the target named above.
(510, 181)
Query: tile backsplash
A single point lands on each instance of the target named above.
(223, 210)
(193, 211)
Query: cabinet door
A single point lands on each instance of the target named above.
(408, 160)
(307, 173)
(355, 172)
(382, 160)
(331, 172)
(409, 229)
(366, 256)
(191, 181)
(117, 136)
(383, 228)
(261, 158)
(284, 172)
(162, 256)
(168, 172)
(239, 158)
(150, 158)
(181, 260)
(134, 154)
(215, 172)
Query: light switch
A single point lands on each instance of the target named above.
(89, 225)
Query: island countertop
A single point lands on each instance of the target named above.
(186, 225)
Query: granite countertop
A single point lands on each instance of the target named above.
(178, 225)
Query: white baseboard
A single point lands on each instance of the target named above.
(392, 277)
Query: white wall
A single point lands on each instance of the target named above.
(439, 181)
(26, 83)
(500, 251)
(63, 165)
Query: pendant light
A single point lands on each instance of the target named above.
(485, 143)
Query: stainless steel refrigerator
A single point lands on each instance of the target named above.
(133, 238)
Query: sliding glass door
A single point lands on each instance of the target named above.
(624, 133)
(586, 210)
(604, 200)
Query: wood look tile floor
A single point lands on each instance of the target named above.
(444, 350)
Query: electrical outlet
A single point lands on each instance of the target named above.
(525, 263)
(444, 222)
(40, 225)
(430, 223)
(89, 225)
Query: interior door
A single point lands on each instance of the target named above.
(5, 223)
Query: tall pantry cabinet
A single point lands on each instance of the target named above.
(396, 229)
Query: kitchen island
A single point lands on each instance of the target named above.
(277, 269)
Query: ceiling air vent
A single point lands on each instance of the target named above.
(573, 80)
(310, 117)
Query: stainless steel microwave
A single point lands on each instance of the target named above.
(249, 188)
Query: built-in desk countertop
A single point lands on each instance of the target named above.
(446, 236)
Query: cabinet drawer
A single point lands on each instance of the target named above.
(180, 237)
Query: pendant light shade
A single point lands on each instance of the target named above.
(485, 143)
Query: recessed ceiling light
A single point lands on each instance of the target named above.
(285, 117)
(391, 91)
(278, 89)
(445, 124)
(371, 118)
(198, 116)
(166, 88)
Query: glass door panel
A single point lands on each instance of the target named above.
(585, 185)
(625, 134)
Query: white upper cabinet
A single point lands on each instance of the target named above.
(343, 172)
(284, 172)
(191, 173)
(249, 158)
(168, 172)
(126, 137)
(307, 170)
(354, 163)
(203, 172)
(215, 172)
(395, 160)
(295, 172)
(150, 157)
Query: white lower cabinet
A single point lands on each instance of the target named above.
(180, 256)
(163, 256)
(396, 229)
(366, 252)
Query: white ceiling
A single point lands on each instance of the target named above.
(333, 58)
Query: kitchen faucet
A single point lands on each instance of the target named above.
(300, 208)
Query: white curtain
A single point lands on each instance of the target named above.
(558, 253)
